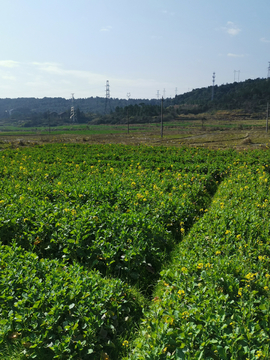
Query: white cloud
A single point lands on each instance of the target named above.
(40, 79)
(56, 69)
(42, 64)
(264, 40)
(53, 68)
(9, 63)
(106, 29)
(236, 55)
(231, 29)
(8, 77)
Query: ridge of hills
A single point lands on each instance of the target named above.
(251, 96)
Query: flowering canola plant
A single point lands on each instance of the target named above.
(114, 215)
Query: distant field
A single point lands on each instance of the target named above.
(212, 132)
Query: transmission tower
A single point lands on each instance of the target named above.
(72, 110)
(268, 75)
(107, 99)
(158, 94)
(214, 77)
(236, 72)
(176, 91)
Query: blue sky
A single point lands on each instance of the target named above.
(52, 48)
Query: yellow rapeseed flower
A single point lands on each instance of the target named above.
(259, 354)
(250, 276)
(240, 292)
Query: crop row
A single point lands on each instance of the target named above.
(213, 300)
(122, 222)
(162, 158)
(60, 311)
(75, 219)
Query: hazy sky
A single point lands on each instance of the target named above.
(52, 48)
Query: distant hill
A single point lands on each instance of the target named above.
(25, 107)
(250, 96)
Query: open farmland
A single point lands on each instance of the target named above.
(218, 131)
(135, 252)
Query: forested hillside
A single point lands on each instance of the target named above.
(250, 96)
(22, 108)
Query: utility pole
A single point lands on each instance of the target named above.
(128, 96)
(161, 131)
(267, 114)
(214, 76)
(49, 118)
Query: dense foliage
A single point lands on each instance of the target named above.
(35, 110)
(121, 219)
(62, 311)
(250, 96)
(213, 301)
(100, 240)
